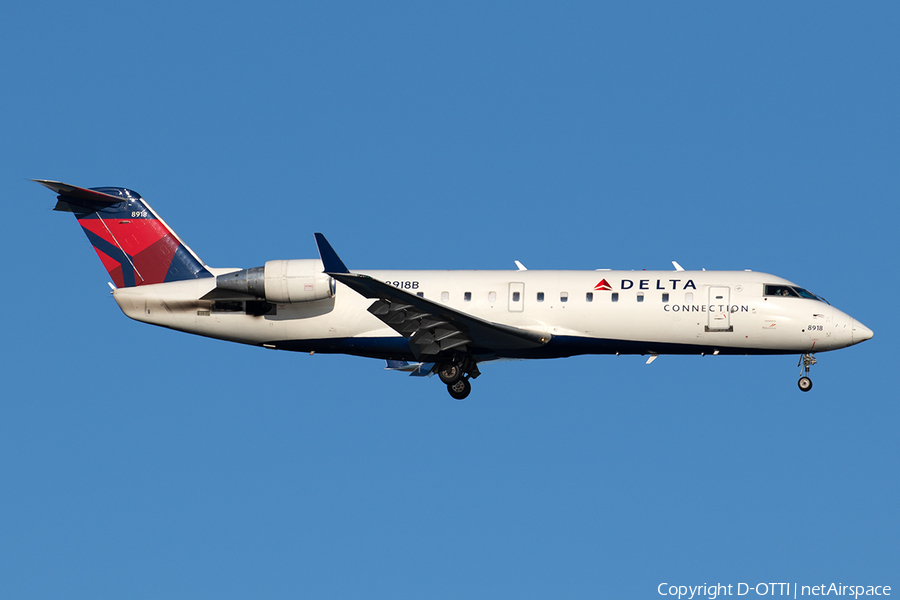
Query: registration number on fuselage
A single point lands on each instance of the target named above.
(404, 285)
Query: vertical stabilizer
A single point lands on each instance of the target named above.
(134, 244)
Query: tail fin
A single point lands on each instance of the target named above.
(134, 244)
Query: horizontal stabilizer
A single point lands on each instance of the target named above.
(81, 197)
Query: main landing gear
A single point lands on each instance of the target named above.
(459, 389)
(456, 375)
(807, 360)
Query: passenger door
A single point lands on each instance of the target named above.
(719, 310)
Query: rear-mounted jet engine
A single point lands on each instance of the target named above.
(281, 281)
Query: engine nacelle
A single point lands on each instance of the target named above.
(281, 281)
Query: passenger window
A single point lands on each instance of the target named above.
(420, 294)
(614, 296)
(665, 297)
(445, 296)
(540, 296)
(564, 296)
(467, 296)
(640, 297)
(492, 296)
(589, 297)
(689, 297)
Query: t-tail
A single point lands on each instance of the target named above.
(134, 244)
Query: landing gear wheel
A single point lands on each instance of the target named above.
(450, 373)
(460, 389)
(807, 360)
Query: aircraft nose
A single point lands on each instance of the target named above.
(860, 332)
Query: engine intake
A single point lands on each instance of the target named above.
(281, 281)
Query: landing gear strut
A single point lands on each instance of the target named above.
(807, 360)
(456, 375)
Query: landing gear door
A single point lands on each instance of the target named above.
(516, 297)
(718, 309)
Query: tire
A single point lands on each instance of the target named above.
(460, 389)
(450, 373)
(805, 384)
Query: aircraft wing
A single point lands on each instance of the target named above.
(431, 328)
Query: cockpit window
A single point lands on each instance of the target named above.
(807, 294)
(780, 290)
(792, 292)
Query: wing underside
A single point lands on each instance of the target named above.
(434, 330)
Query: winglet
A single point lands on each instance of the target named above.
(332, 262)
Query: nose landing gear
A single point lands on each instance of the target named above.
(807, 360)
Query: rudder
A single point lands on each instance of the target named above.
(134, 244)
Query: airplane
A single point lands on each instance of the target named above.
(447, 322)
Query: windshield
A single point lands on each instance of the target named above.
(791, 291)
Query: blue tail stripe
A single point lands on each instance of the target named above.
(114, 253)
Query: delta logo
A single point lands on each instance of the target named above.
(648, 284)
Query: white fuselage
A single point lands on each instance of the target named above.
(585, 312)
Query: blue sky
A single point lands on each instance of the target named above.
(143, 463)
